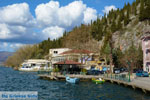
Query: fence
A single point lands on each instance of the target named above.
(121, 77)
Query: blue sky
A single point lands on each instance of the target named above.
(31, 21)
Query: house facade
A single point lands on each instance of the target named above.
(146, 51)
(55, 55)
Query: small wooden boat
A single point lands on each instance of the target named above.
(98, 81)
(72, 80)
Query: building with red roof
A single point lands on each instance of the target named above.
(68, 66)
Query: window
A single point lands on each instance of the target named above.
(55, 52)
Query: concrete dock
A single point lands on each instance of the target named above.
(142, 83)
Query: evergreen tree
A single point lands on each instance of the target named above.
(113, 26)
(141, 16)
(147, 10)
(121, 15)
(137, 2)
(125, 21)
(119, 25)
(135, 10)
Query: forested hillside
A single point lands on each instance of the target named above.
(116, 36)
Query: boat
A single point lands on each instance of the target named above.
(34, 65)
(98, 81)
(72, 80)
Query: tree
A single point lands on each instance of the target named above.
(113, 26)
(126, 18)
(147, 10)
(107, 49)
(117, 57)
(134, 8)
(141, 16)
(133, 56)
(119, 25)
(121, 18)
(97, 29)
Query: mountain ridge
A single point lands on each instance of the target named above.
(4, 55)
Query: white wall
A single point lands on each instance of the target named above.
(56, 52)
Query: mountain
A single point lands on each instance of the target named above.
(4, 55)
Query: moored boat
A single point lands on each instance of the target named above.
(34, 65)
(72, 80)
(98, 81)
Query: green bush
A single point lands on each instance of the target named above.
(56, 69)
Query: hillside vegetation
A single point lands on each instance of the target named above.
(116, 36)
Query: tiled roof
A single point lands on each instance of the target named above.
(68, 62)
(77, 51)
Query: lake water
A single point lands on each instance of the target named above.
(11, 80)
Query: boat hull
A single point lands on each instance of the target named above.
(98, 81)
(72, 80)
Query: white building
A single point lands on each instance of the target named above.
(55, 54)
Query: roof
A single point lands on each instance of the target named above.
(36, 60)
(77, 51)
(145, 35)
(68, 62)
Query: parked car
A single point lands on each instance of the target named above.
(117, 71)
(137, 70)
(142, 74)
(94, 72)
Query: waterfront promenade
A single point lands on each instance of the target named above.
(142, 83)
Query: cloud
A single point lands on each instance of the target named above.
(6, 46)
(109, 8)
(17, 23)
(4, 32)
(18, 26)
(16, 14)
(90, 14)
(73, 14)
(52, 32)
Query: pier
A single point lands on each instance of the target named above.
(142, 83)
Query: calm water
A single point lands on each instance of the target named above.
(11, 80)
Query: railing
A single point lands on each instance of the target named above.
(121, 77)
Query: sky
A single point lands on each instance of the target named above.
(25, 22)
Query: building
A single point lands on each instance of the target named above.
(78, 55)
(55, 55)
(34, 65)
(88, 59)
(69, 67)
(146, 51)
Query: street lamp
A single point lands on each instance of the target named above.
(129, 63)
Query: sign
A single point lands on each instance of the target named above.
(18, 95)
